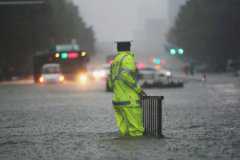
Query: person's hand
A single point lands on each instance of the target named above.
(142, 93)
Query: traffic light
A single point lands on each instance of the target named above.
(69, 55)
(180, 51)
(56, 55)
(83, 54)
(73, 55)
(157, 61)
(64, 55)
(173, 51)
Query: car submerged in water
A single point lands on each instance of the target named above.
(150, 77)
(51, 73)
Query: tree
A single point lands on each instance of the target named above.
(208, 30)
(26, 29)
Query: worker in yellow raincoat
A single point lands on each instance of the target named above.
(126, 98)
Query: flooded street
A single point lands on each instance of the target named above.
(200, 121)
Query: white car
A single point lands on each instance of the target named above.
(163, 76)
(101, 72)
(146, 76)
(150, 77)
(51, 73)
(165, 72)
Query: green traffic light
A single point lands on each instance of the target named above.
(173, 51)
(64, 55)
(157, 61)
(180, 51)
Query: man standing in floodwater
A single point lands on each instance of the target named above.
(127, 92)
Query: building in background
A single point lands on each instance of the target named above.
(173, 7)
(150, 39)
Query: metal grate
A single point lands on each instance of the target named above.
(152, 115)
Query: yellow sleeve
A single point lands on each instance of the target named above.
(128, 73)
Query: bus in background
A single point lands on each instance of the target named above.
(72, 60)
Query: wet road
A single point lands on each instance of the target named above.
(68, 122)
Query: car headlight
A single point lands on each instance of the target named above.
(96, 74)
(61, 78)
(168, 73)
(41, 79)
(99, 74)
(102, 73)
(82, 78)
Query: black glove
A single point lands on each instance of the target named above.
(142, 93)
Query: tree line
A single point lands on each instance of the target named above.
(26, 29)
(208, 31)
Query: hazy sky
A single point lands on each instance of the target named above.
(118, 19)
